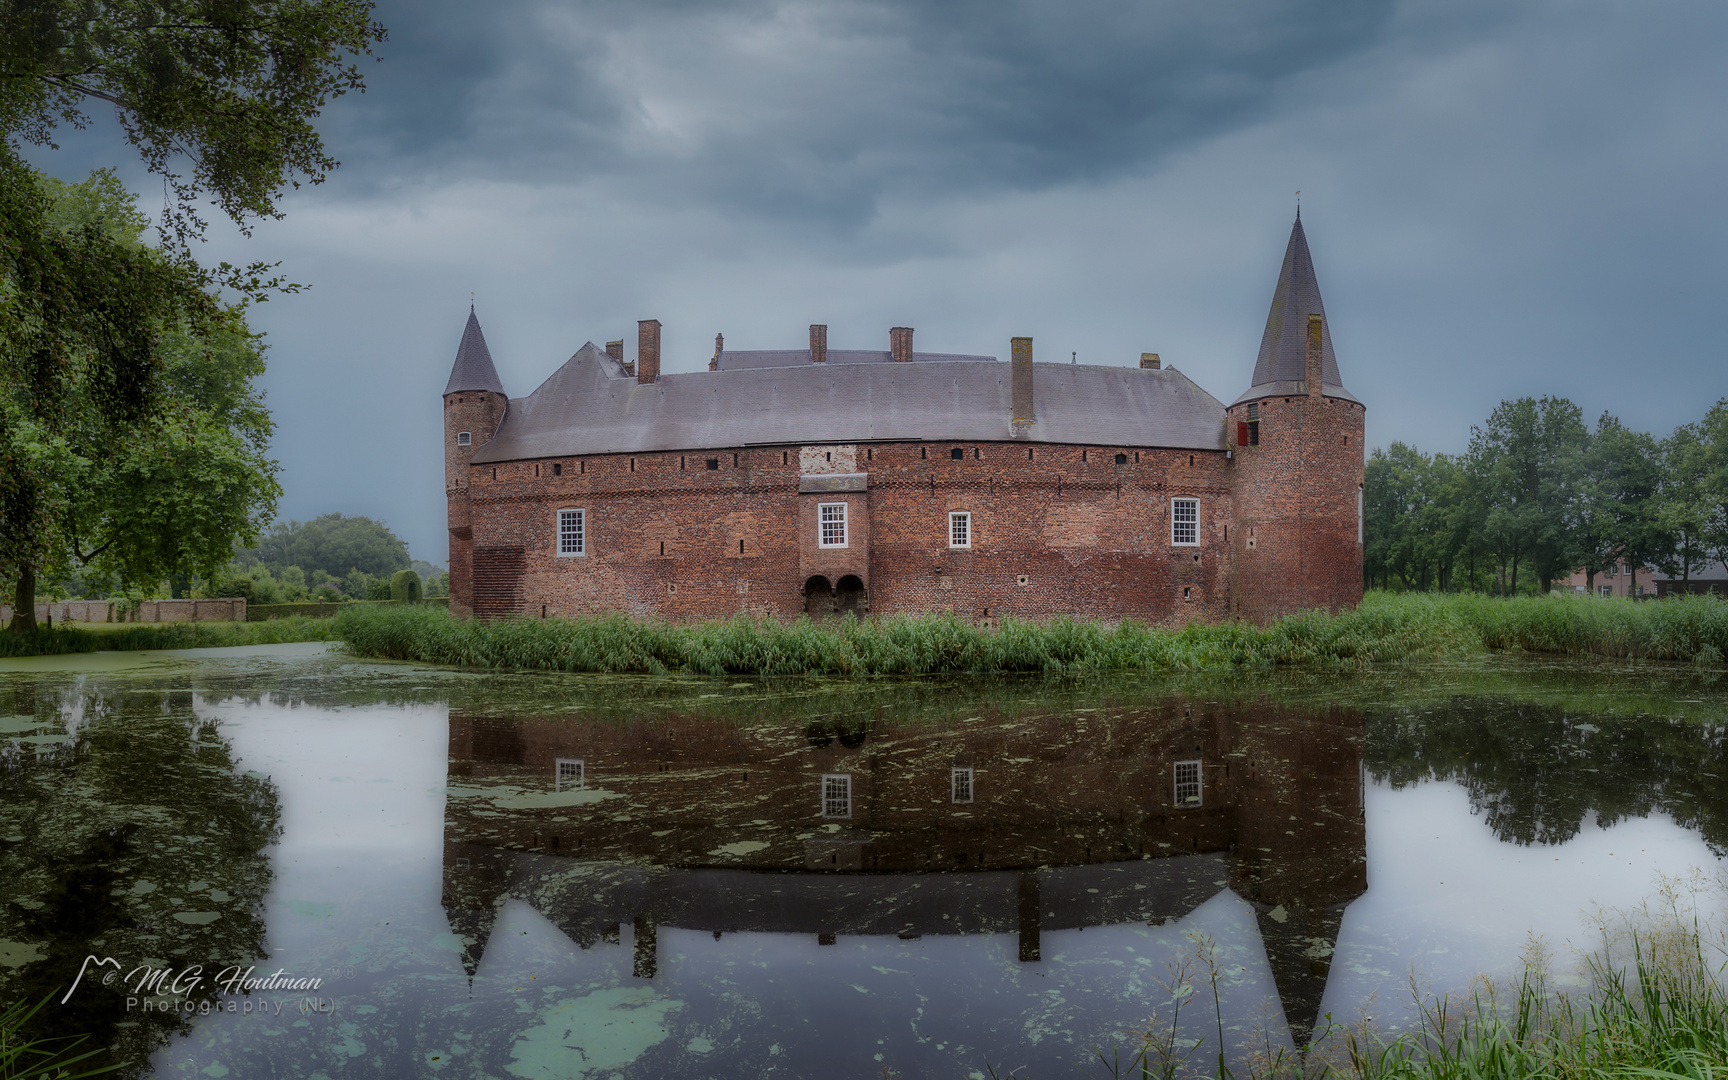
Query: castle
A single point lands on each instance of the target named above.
(826, 480)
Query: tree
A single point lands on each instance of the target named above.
(88, 316)
(1622, 475)
(335, 545)
(1683, 509)
(146, 493)
(1528, 464)
(1713, 454)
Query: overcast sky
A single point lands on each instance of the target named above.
(1501, 198)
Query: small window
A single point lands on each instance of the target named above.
(1185, 522)
(569, 774)
(572, 532)
(831, 518)
(1121, 459)
(1607, 590)
(557, 469)
(960, 529)
(960, 784)
(464, 438)
(837, 795)
(1187, 783)
(957, 454)
(713, 463)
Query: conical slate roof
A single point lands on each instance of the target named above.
(1284, 346)
(473, 369)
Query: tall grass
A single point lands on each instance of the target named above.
(52, 1058)
(1650, 1005)
(1385, 627)
(187, 635)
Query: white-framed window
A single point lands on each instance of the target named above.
(837, 795)
(831, 525)
(464, 438)
(959, 528)
(572, 532)
(960, 784)
(1607, 590)
(1185, 522)
(1187, 783)
(569, 774)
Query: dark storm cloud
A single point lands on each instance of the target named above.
(822, 110)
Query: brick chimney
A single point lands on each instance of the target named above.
(900, 344)
(648, 350)
(1150, 361)
(1021, 371)
(818, 343)
(1312, 368)
(615, 349)
(719, 347)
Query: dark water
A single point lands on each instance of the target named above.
(525, 876)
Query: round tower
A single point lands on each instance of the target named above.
(474, 406)
(1295, 439)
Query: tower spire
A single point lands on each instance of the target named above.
(473, 368)
(1284, 345)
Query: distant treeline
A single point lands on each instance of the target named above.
(1539, 496)
(330, 558)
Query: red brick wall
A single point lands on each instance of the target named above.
(479, 413)
(1087, 536)
(1294, 543)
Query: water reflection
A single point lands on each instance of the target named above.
(125, 831)
(997, 824)
(536, 876)
(1538, 773)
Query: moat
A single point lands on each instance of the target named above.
(497, 875)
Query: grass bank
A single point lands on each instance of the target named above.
(189, 635)
(1386, 627)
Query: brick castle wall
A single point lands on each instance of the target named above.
(1055, 530)
(478, 412)
(1294, 535)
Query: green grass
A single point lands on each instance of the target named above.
(1648, 1003)
(1386, 627)
(188, 635)
(52, 1058)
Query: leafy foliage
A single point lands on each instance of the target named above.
(334, 545)
(148, 463)
(1540, 495)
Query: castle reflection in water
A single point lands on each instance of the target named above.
(1012, 825)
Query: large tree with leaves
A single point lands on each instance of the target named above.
(218, 97)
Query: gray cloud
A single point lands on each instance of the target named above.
(819, 111)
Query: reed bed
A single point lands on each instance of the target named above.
(187, 635)
(1384, 628)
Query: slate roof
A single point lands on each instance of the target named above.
(736, 360)
(1281, 367)
(473, 369)
(592, 406)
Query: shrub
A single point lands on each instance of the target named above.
(405, 585)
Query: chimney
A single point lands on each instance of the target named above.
(1021, 350)
(615, 349)
(719, 347)
(648, 350)
(1312, 369)
(818, 343)
(1150, 361)
(900, 344)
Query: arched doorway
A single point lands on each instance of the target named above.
(818, 598)
(849, 596)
